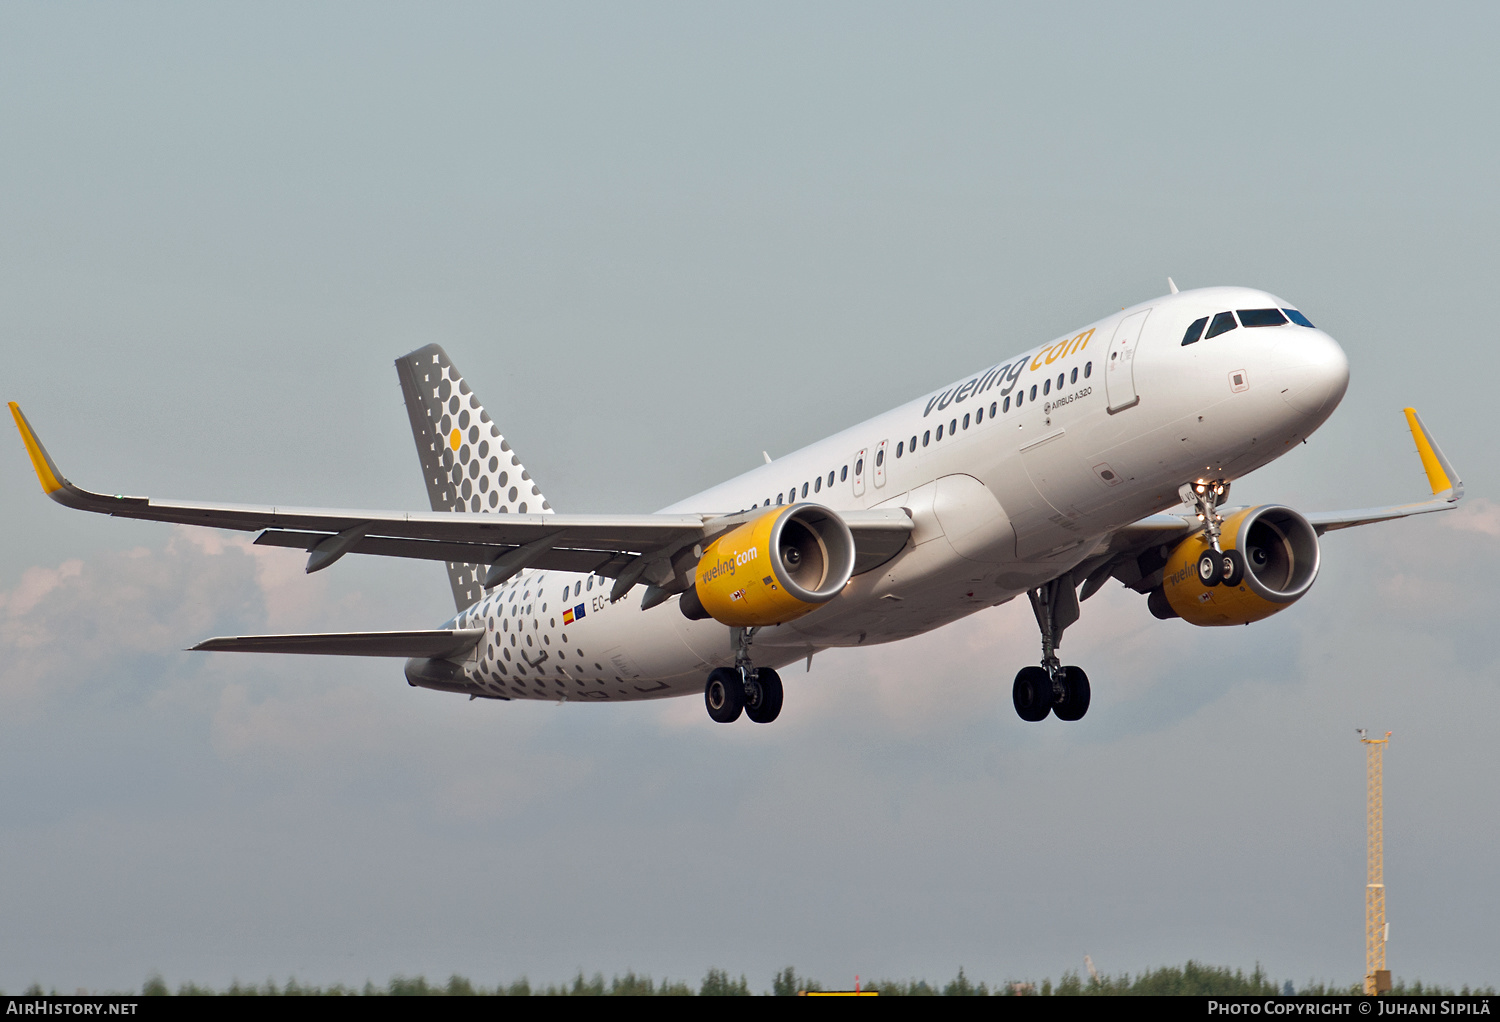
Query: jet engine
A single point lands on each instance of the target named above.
(772, 569)
(1270, 558)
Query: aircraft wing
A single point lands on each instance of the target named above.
(442, 642)
(652, 548)
(1447, 488)
(1132, 555)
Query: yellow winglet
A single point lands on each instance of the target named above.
(51, 479)
(1440, 474)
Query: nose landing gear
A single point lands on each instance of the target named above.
(1216, 566)
(754, 690)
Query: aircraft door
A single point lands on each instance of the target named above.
(879, 472)
(1119, 368)
(859, 472)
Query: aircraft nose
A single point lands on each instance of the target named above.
(1317, 373)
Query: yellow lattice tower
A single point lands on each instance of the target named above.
(1377, 976)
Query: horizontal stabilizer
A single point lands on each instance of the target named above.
(441, 642)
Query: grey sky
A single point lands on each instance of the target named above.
(658, 239)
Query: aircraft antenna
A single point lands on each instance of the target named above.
(1377, 931)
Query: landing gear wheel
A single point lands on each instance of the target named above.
(1032, 694)
(724, 695)
(1075, 700)
(1210, 567)
(1233, 563)
(764, 706)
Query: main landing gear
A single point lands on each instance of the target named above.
(1216, 566)
(1052, 688)
(755, 690)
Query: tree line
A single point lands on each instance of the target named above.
(1192, 979)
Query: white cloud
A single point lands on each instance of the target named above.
(70, 627)
(1477, 515)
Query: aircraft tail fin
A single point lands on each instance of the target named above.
(467, 464)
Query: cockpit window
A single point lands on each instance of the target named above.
(1194, 332)
(1262, 317)
(1297, 317)
(1222, 324)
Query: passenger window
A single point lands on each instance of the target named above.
(1222, 324)
(1020, 396)
(844, 474)
(804, 489)
(1088, 370)
(913, 445)
(940, 433)
(880, 457)
(925, 435)
(1297, 317)
(1047, 386)
(859, 467)
(1032, 395)
(1194, 332)
(992, 409)
(953, 427)
(1074, 377)
(1060, 377)
(830, 477)
(1007, 404)
(899, 445)
(817, 485)
(978, 415)
(1261, 317)
(791, 495)
(778, 500)
(966, 421)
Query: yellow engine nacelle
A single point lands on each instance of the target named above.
(772, 569)
(1281, 553)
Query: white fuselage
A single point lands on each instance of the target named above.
(1114, 417)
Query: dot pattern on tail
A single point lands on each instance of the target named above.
(467, 463)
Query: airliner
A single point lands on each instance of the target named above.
(1106, 453)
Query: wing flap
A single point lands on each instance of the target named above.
(557, 559)
(436, 643)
